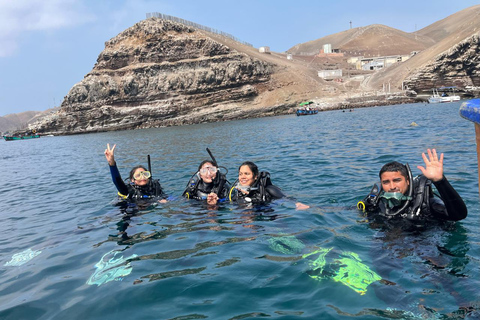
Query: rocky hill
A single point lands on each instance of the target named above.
(161, 73)
(21, 121)
(372, 40)
(459, 66)
(12, 122)
(455, 34)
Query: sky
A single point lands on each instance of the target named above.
(47, 46)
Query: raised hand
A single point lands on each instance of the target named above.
(433, 166)
(109, 154)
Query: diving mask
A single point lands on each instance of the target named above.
(206, 169)
(393, 199)
(142, 175)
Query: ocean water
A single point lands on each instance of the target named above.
(67, 251)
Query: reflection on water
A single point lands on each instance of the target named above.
(112, 266)
(185, 260)
(23, 257)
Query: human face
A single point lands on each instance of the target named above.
(141, 181)
(208, 172)
(245, 176)
(394, 182)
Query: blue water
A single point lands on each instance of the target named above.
(182, 260)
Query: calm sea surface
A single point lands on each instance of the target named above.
(68, 252)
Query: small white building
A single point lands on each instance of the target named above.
(327, 48)
(377, 63)
(330, 74)
(289, 56)
(264, 49)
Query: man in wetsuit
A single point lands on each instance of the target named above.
(400, 196)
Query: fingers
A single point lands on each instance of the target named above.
(425, 158)
(110, 150)
(212, 196)
(432, 156)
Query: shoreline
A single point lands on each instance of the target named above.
(336, 103)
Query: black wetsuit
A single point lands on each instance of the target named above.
(153, 190)
(424, 206)
(261, 192)
(199, 190)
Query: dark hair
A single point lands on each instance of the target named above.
(206, 161)
(252, 167)
(132, 172)
(394, 166)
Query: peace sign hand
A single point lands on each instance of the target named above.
(109, 154)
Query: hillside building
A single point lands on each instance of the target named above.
(376, 63)
(264, 49)
(327, 48)
(330, 74)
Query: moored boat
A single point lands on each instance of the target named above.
(444, 97)
(11, 138)
(305, 109)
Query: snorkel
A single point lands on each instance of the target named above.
(388, 196)
(212, 157)
(221, 182)
(149, 165)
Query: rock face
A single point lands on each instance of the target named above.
(160, 73)
(458, 66)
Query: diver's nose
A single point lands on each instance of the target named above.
(392, 187)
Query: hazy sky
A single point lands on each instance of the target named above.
(46, 46)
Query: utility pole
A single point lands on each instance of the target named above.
(350, 24)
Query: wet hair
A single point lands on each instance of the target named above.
(206, 161)
(132, 172)
(394, 166)
(252, 167)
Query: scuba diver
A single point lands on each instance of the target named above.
(141, 185)
(208, 183)
(256, 187)
(401, 196)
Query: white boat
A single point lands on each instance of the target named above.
(444, 97)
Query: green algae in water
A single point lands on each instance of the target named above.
(111, 267)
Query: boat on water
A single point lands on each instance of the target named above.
(22, 135)
(444, 97)
(306, 108)
(12, 138)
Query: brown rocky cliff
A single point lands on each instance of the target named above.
(160, 73)
(449, 32)
(458, 66)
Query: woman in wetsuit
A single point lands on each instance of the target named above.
(256, 187)
(141, 185)
(208, 183)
